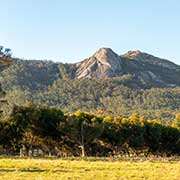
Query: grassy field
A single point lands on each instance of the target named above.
(63, 169)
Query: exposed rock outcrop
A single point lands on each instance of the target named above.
(104, 63)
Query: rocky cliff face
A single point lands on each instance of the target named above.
(104, 63)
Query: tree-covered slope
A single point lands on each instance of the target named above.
(105, 82)
(106, 97)
(30, 74)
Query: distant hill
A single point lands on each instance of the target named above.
(104, 82)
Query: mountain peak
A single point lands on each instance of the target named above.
(105, 54)
(103, 63)
(103, 50)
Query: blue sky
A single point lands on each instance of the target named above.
(70, 30)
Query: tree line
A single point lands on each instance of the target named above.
(42, 131)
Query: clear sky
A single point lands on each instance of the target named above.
(70, 30)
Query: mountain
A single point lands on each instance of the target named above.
(146, 70)
(103, 64)
(106, 81)
(137, 69)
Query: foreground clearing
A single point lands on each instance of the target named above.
(59, 169)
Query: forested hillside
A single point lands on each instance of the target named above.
(105, 83)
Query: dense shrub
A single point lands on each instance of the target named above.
(42, 130)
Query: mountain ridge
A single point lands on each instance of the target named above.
(136, 85)
(105, 63)
(142, 56)
(142, 69)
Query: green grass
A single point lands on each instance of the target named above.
(89, 169)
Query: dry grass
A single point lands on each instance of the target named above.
(59, 169)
